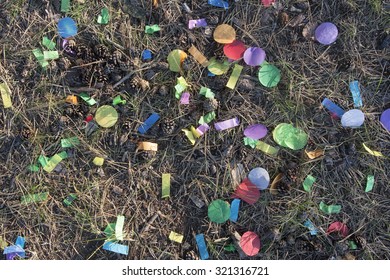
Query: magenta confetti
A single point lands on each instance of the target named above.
(193, 23)
(185, 98)
(227, 124)
(256, 131)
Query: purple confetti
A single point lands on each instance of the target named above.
(185, 98)
(203, 128)
(256, 131)
(385, 119)
(193, 23)
(219, 126)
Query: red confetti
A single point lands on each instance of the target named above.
(247, 192)
(234, 50)
(250, 243)
(338, 227)
(89, 118)
(267, 3)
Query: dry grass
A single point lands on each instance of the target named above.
(310, 73)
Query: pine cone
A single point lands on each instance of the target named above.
(303, 246)
(26, 133)
(100, 76)
(190, 255)
(125, 65)
(168, 126)
(116, 57)
(210, 104)
(147, 155)
(360, 241)
(101, 51)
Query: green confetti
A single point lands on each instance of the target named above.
(104, 16)
(288, 136)
(330, 209)
(269, 75)
(250, 142)
(89, 100)
(43, 160)
(180, 87)
(54, 161)
(219, 211)
(206, 92)
(70, 142)
(308, 183)
(38, 197)
(6, 95)
(48, 43)
(33, 168)
(370, 183)
(118, 100)
(165, 185)
(109, 231)
(229, 248)
(39, 56)
(268, 149)
(65, 6)
(70, 198)
(50, 55)
(150, 29)
(352, 245)
(3, 243)
(207, 118)
(218, 68)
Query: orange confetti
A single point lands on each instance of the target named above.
(72, 99)
(147, 146)
(155, 3)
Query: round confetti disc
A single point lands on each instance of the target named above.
(67, 27)
(385, 119)
(234, 50)
(254, 56)
(219, 211)
(175, 60)
(106, 116)
(326, 33)
(224, 34)
(269, 75)
(250, 243)
(288, 136)
(259, 177)
(217, 67)
(352, 118)
(256, 131)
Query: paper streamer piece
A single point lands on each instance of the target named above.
(314, 154)
(217, 67)
(104, 16)
(339, 228)
(259, 177)
(90, 101)
(72, 99)
(234, 208)
(202, 248)
(150, 29)
(31, 198)
(166, 185)
(269, 75)
(50, 55)
(5, 95)
(185, 98)
(352, 118)
(247, 192)
(385, 119)
(193, 23)
(207, 118)
(357, 99)
(202, 129)
(250, 243)
(234, 50)
(175, 60)
(250, 142)
(54, 161)
(176, 237)
(308, 183)
(332, 107)
(69, 199)
(268, 149)
(206, 92)
(219, 211)
(153, 118)
(180, 87)
(118, 100)
(372, 152)
(120, 220)
(48, 43)
(256, 131)
(288, 136)
(224, 34)
(370, 183)
(219, 3)
(13, 251)
(116, 248)
(106, 116)
(199, 57)
(39, 56)
(219, 126)
(313, 230)
(234, 76)
(70, 142)
(147, 146)
(330, 209)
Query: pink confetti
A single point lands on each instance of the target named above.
(267, 3)
(185, 98)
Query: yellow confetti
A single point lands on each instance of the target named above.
(166, 185)
(195, 132)
(268, 149)
(6, 95)
(234, 76)
(189, 135)
(314, 154)
(177, 237)
(374, 153)
(199, 57)
(72, 99)
(98, 161)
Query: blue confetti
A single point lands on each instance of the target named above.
(210, 74)
(204, 254)
(311, 227)
(20, 241)
(354, 88)
(116, 248)
(332, 107)
(148, 123)
(219, 3)
(234, 208)
(146, 55)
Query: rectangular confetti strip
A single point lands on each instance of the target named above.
(330, 209)
(120, 220)
(69, 199)
(54, 161)
(165, 185)
(219, 3)
(48, 43)
(234, 208)
(202, 248)
(230, 123)
(116, 248)
(199, 57)
(370, 183)
(38, 197)
(50, 55)
(65, 6)
(189, 135)
(72, 99)
(89, 100)
(268, 149)
(308, 183)
(206, 92)
(5, 95)
(147, 146)
(332, 107)
(185, 98)
(234, 76)
(70, 142)
(176, 237)
(372, 152)
(194, 23)
(311, 227)
(149, 122)
(207, 118)
(202, 129)
(357, 99)
(250, 142)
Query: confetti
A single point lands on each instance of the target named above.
(311, 227)
(116, 248)
(104, 16)
(149, 122)
(150, 29)
(247, 192)
(354, 88)
(202, 247)
(219, 211)
(176, 237)
(70, 142)
(308, 183)
(332, 107)
(372, 152)
(90, 101)
(330, 209)
(147, 146)
(31, 198)
(370, 183)
(234, 76)
(207, 118)
(120, 220)
(250, 243)
(106, 116)
(6, 95)
(219, 126)
(54, 161)
(234, 209)
(199, 57)
(219, 3)
(98, 161)
(65, 6)
(165, 185)
(193, 23)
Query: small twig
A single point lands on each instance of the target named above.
(149, 223)
(128, 76)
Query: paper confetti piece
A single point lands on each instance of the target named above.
(33, 168)
(206, 92)
(50, 55)
(13, 249)
(185, 98)
(202, 248)
(219, 126)
(202, 129)
(180, 87)
(207, 118)
(146, 54)
(118, 100)
(247, 192)
(104, 16)
(98, 161)
(149, 122)
(314, 154)
(189, 135)
(308, 183)
(54, 161)
(332, 107)
(176, 237)
(5, 95)
(269, 75)
(219, 3)
(352, 245)
(90, 101)
(109, 231)
(250, 142)
(256, 131)
(218, 211)
(330, 209)
(194, 132)
(267, 3)
(313, 230)
(38, 197)
(70, 142)
(147, 146)
(150, 29)
(234, 208)
(72, 99)
(69, 199)
(43, 160)
(250, 243)
(65, 6)
(39, 56)
(372, 152)
(116, 248)
(234, 76)
(338, 227)
(165, 185)
(288, 136)
(193, 23)
(120, 220)
(357, 99)
(199, 57)
(50, 45)
(3, 243)
(218, 67)
(370, 183)
(175, 60)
